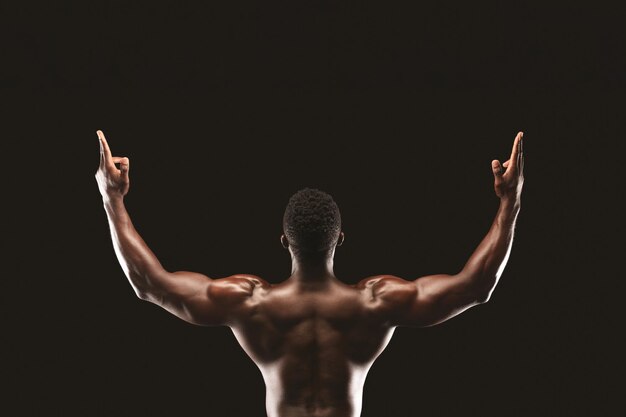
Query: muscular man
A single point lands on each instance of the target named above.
(313, 337)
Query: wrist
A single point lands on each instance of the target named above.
(510, 202)
(112, 201)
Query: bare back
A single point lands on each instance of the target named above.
(313, 345)
(313, 339)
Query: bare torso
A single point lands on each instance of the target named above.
(314, 345)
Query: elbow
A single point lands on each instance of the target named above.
(483, 296)
(483, 299)
(484, 287)
(139, 288)
(141, 293)
(149, 295)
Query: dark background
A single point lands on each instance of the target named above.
(227, 108)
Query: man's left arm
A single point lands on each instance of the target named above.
(190, 296)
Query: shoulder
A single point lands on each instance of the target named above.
(238, 285)
(387, 296)
(379, 281)
(386, 287)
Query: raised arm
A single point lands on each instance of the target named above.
(433, 299)
(193, 297)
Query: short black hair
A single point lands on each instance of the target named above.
(312, 221)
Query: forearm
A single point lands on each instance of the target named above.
(486, 264)
(141, 266)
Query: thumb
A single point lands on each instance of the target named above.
(496, 167)
(124, 167)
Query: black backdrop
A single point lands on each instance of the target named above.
(226, 109)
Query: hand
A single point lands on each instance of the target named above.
(508, 185)
(112, 182)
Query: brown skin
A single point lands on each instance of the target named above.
(313, 337)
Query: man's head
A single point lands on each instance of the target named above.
(312, 223)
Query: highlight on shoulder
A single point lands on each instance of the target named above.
(236, 285)
(388, 288)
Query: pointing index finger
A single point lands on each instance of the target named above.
(105, 152)
(516, 149)
(521, 154)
